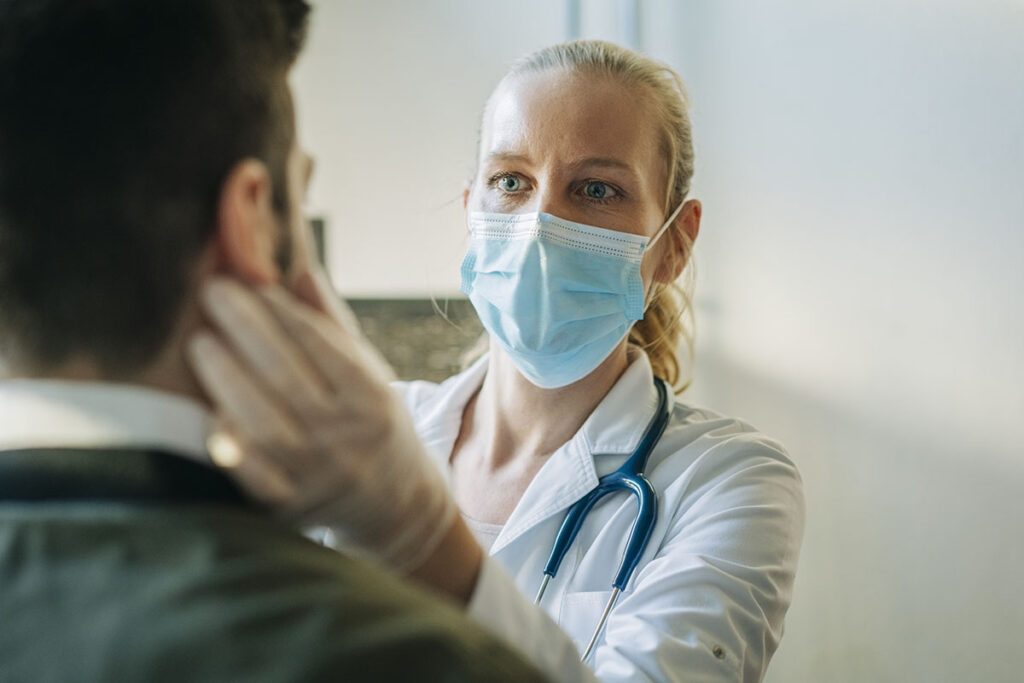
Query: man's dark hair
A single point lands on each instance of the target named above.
(119, 122)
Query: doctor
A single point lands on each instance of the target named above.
(579, 227)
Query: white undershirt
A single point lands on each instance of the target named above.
(484, 533)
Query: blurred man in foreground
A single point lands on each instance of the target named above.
(145, 148)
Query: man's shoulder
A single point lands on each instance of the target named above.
(214, 594)
(345, 615)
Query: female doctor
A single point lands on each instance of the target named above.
(579, 226)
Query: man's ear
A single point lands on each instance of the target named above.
(684, 228)
(465, 194)
(247, 225)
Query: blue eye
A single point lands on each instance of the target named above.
(510, 183)
(595, 189)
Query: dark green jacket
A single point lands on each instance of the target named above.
(135, 566)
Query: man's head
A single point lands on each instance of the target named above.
(135, 138)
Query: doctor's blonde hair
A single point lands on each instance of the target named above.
(667, 329)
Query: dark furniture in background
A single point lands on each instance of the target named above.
(421, 338)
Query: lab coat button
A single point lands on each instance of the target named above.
(718, 652)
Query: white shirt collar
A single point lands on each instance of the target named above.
(68, 414)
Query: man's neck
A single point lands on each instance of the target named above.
(168, 373)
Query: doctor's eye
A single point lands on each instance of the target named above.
(600, 191)
(508, 182)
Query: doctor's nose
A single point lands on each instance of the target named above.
(555, 203)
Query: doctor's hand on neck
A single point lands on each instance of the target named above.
(310, 426)
(308, 423)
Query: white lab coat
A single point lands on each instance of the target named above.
(706, 602)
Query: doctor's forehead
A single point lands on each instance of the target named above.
(561, 117)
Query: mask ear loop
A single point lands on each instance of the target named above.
(657, 236)
(661, 231)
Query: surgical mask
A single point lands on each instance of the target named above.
(556, 296)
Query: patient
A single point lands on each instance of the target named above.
(146, 147)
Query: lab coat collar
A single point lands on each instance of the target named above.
(439, 423)
(621, 418)
(615, 427)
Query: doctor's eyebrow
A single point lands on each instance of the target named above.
(588, 162)
(506, 156)
(610, 163)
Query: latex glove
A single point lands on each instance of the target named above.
(311, 425)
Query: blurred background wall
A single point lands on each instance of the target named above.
(861, 166)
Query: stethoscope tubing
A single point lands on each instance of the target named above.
(629, 477)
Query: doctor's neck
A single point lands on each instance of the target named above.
(524, 420)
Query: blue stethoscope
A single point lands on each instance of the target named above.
(629, 477)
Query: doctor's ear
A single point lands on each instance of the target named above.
(681, 237)
(247, 224)
(465, 193)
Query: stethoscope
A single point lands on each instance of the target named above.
(630, 476)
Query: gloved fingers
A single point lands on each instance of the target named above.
(402, 529)
(314, 287)
(245, 404)
(356, 467)
(291, 495)
(247, 324)
(351, 365)
(258, 475)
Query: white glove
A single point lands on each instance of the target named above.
(310, 424)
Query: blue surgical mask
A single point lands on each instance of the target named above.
(558, 297)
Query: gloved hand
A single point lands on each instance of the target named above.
(310, 425)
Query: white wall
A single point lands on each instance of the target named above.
(863, 173)
(861, 170)
(389, 96)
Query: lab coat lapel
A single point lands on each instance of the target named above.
(439, 422)
(567, 475)
(614, 428)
